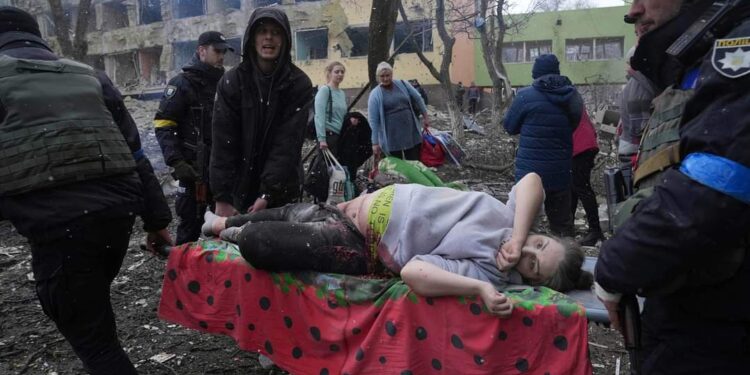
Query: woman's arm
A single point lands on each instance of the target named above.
(373, 113)
(432, 281)
(321, 108)
(529, 198)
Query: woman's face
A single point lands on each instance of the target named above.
(540, 258)
(337, 74)
(385, 77)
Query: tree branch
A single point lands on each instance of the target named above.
(62, 27)
(427, 63)
(80, 45)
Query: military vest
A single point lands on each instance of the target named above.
(57, 129)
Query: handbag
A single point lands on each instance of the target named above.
(340, 188)
(316, 178)
(431, 153)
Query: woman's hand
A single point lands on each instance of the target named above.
(425, 121)
(497, 303)
(510, 254)
(376, 152)
(323, 145)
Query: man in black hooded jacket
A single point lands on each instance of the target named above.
(259, 121)
(73, 176)
(183, 128)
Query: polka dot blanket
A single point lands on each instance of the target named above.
(313, 323)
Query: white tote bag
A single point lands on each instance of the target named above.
(336, 180)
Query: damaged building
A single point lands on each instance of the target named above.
(143, 43)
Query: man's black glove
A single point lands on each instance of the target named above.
(184, 172)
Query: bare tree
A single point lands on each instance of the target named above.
(382, 25)
(78, 48)
(494, 22)
(442, 75)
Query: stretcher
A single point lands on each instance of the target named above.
(316, 323)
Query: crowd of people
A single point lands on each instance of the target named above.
(234, 139)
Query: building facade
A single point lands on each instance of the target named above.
(143, 43)
(590, 43)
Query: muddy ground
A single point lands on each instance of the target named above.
(30, 344)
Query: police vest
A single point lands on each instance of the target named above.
(658, 151)
(57, 129)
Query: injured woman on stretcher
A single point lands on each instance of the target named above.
(440, 241)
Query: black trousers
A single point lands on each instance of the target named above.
(676, 343)
(557, 209)
(302, 236)
(583, 163)
(473, 105)
(407, 154)
(191, 216)
(73, 276)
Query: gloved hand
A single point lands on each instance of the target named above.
(159, 241)
(184, 172)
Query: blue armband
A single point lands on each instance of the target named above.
(138, 155)
(690, 80)
(718, 173)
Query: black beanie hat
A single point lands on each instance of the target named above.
(14, 19)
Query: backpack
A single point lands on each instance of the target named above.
(310, 132)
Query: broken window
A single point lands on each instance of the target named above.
(312, 44)
(608, 48)
(148, 64)
(149, 11)
(114, 16)
(536, 48)
(188, 8)
(579, 49)
(183, 52)
(71, 13)
(232, 59)
(513, 52)
(219, 6)
(358, 36)
(264, 3)
(123, 69)
(421, 34)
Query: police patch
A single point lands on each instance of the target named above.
(170, 91)
(731, 57)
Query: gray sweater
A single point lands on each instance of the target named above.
(458, 231)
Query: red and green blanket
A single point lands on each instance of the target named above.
(314, 323)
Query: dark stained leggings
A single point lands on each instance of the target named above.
(302, 236)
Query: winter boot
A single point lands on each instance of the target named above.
(592, 237)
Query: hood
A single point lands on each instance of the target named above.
(202, 69)
(248, 50)
(15, 39)
(557, 88)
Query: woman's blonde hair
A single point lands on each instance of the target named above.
(330, 66)
(383, 66)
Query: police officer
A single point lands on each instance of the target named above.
(685, 245)
(72, 174)
(183, 129)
